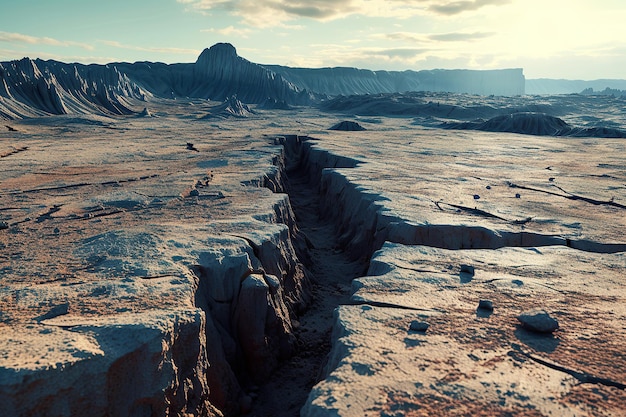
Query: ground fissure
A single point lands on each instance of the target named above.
(331, 272)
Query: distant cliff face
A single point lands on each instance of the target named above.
(35, 87)
(220, 73)
(349, 81)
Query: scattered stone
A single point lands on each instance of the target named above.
(488, 187)
(55, 311)
(419, 326)
(476, 197)
(4, 225)
(467, 269)
(517, 195)
(485, 305)
(190, 192)
(538, 321)
(191, 147)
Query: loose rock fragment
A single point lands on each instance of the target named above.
(485, 305)
(419, 326)
(58, 310)
(4, 225)
(538, 321)
(467, 269)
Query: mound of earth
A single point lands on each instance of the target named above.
(530, 123)
(534, 123)
(347, 125)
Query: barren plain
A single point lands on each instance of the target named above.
(181, 261)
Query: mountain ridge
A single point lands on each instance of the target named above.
(31, 88)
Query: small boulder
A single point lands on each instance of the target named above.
(419, 326)
(538, 321)
(57, 310)
(485, 305)
(467, 269)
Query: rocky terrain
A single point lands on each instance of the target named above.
(206, 258)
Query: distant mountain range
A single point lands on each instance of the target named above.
(553, 86)
(31, 88)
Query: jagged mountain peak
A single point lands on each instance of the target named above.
(219, 52)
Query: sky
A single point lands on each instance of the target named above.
(570, 39)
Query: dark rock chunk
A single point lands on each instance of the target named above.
(538, 321)
(467, 269)
(485, 305)
(348, 126)
(58, 310)
(419, 326)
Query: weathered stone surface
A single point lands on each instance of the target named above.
(471, 363)
(120, 297)
(538, 321)
(154, 282)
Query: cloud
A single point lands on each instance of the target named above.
(333, 55)
(450, 8)
(181, 51)
(425, 38)
(403, 36)
(12, 37)
(401, 53)
(267, 13)
(460, 36)
(230, 31)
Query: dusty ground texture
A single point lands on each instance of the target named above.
(108, 227)
(476, 362)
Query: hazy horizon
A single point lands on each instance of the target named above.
(562, 40)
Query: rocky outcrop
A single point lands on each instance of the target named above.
(220, 73)
(231, 107)
(36, 88)
(131, 364)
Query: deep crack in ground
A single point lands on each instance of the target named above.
(332, 272)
